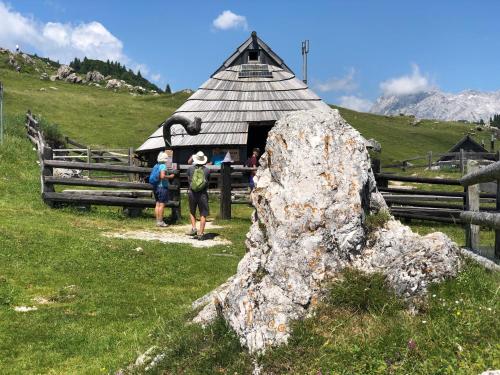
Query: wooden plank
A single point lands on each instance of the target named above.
(104, 184)
(472, 204)
(98, 167)
(71, 198)
(428, 218)
(424, 180)
(487, 219)
(424, 204)
(113, 193)
(486, 174)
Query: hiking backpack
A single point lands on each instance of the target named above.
(154, 177)
(198, 181)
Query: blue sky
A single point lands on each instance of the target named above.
(358, 49)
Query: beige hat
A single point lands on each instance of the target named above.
(199, 158)
(162, 157)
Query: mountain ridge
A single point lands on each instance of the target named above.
(467, 105)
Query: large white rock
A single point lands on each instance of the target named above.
(314, 191)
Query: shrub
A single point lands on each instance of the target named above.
(377, 220)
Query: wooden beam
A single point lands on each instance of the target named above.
(71, 198)
(486, 174)
(487, 219)
(423, 180)
(103, 183)
(97, 167)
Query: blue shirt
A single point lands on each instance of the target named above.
(164, 182)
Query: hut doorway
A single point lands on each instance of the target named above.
(257, 136)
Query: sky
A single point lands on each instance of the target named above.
(359, 49)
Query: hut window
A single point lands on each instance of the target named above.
(253, 55)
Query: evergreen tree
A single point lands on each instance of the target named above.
(167, 89)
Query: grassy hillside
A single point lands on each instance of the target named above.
(400, 139)
(92, 115)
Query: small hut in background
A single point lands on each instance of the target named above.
(238, 105)
(469, 145)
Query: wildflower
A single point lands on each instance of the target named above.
(489, 308)
(412, 345)
(433, 296)
(424, 321)
(458, 313)
(456, 302)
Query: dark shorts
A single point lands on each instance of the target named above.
(199, 200)
(161, 194)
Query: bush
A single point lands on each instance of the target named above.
(52, 133)
(377, 220)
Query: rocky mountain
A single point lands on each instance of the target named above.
(467, 105)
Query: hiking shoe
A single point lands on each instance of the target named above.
(201, 237)
(192, 232)
(161, 224)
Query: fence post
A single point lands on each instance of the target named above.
(130, 162)
(462, 162)
(46, 154)
(225, 191)
(497, 232)
(429, 160)
(176, 194)
(472, 204)
(492, 143)
(89, 159)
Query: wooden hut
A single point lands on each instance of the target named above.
(469, 145)
(238, 105)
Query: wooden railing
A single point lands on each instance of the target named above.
(474, 219)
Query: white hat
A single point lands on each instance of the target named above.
(162, 157)
(199, 158)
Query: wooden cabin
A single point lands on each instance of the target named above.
(469, 145)
(238, 105)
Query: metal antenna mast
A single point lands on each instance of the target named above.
(305, 51)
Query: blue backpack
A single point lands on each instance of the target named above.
(154, 177)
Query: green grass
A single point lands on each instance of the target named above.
(109, 302)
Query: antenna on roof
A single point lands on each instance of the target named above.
(305, 51)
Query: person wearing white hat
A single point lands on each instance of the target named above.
(198, 176)
(159, 180)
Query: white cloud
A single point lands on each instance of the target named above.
(229, 20)
(62, 41)
(156, 77)
(355, 103)
(344, 84)
(407, 84)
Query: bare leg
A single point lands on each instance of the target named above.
(156, 211)
(161, 208)
(203, 220)
(193, 220)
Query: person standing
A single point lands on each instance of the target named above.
(198, 175)
(159, 179)
(253, 162)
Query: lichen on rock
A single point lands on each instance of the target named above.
(314, 190)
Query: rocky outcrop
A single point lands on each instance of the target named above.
(94, 76)
(73, 78)
(314, 192)
(114, 84)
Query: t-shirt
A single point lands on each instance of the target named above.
(190, 173)
(164, 182)
(217, 159)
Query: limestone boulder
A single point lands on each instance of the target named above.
(73, 78)
(63, 72)
(94, 76)
(114, 84)
(314, 191)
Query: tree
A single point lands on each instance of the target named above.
(167, 89)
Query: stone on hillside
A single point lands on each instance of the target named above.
(27, 58)
(314, 190)
(73, 78)
(44, 77)
(63, 72)
(140, 90)
(94, 76)
(114, 84)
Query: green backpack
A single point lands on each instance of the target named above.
(198, 181)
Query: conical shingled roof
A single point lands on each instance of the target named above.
(238, 93)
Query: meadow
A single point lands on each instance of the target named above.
(102, 301)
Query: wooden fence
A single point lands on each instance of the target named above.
(136, 196)
(472, 217)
